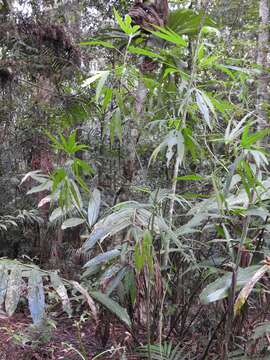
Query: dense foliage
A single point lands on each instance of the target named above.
(134, 171)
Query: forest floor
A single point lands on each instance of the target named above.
(63, 342)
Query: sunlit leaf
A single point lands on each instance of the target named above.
(61, 290)
(98, 42)
(219, 289)
(88, 298)
(245, 292)
(190, 177)
(3, 283)
(94, 207)
(203, 107)
(13, 293)
(101, 258)
(36, 297)
(73, 222)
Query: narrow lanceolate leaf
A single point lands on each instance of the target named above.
(72, 222)
(13, 291)
(56, 214)
(109, 226)
(170, 36)
(98, 43)
(173, 139)
(203, 107)
(192, 177)
(36, 175)
(112, 306)
(112, 285)
(107, 256)
(93, 78)
(59, 287)
(3, 283)
(245, 292)
(94, 207)
(36, 297)
(87, 297)
(101, 84)
(42, 187)
(261, 330)
(219, 289)
(45, 200)
(144, 52)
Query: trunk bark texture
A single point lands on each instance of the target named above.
(263, 63)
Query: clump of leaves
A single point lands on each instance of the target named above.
(19, 280)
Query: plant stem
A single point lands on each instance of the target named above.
(229, 324)
(184, 117)
(148, 316)
(171, 211)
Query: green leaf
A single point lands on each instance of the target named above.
(116, 126)
(56, 214)
(3, 283)
(101, 258)
(245, 292)
(109, 226)
(36, 297)
(61, 290)
(169, 35)
(203, 107)
(250, 139)
(190, 144)
(239, 128)
(94, 207)
(57, 177)
(99, 42)
(112, 306)
(261, 330)
(219, 289)
(187, 21)
(174, 138)
(130, 285)
(210, 30)
(164, 351)
(47, 185)
(101, 84)
(94, 78)
(88, 299)
(148, 250)
(138, 257)
(13, 290)
(124, 25)
(115, 281)
(144, 52)
(83, 165)
(190, 177)
(107, 98)
(72, 222)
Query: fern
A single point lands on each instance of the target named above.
(21, 217)
(165, 351)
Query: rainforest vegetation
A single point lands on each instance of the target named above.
(134, 179)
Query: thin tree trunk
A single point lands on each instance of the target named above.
(262, 61)
(157, 12)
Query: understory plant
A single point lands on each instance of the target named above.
(160, 256)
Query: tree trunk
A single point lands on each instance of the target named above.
(262, 61)
(143, 13)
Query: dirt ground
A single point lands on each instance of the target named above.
(61, 343)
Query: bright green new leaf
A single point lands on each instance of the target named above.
(190, 177)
